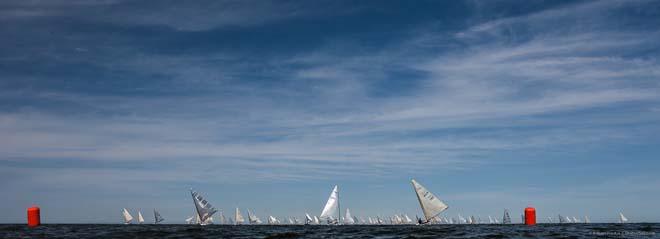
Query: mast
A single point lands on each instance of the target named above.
(338, 208)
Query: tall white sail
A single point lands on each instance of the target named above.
(431, 205)
(316, 220)
(622, 218)
(127, 216)
(140, 218)
(586, 219)
(490, 219)
(332, 205)
(204, 209)
(157, 217)
(348, 219)
(238, 217)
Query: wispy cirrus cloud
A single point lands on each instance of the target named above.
(124, 107)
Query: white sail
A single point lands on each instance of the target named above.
(348, 219)
(331, 206)
(140, 218)
(157, 217)
(461, 219)
(408, 220)
(308, 219)
(586, 219)
(238, 217)
(190, 220)
(568, 219)
(127, 216)
(223, 219)
(272, 220)
(575, 220)
(253, 218)
(490, 220)
(431, 205)
(290, 220)
(622, 218)
(316, 220)
(204, 209)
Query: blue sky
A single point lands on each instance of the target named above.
(268, 104)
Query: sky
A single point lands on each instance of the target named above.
(266, 105)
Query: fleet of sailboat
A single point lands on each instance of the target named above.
(431, 207)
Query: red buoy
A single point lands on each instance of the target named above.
(530, 216)
(33, 216)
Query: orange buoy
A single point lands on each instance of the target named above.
(530, 216)
(33, 216)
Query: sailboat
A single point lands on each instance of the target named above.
(308, 219)
(238, 218)
(348, 219)
(316, 220)
(140, 218)
(157, 217)
(490, 219)
(550, 220)
(586, 219)
(332, 207)
(272, 220)
(575, 220)
(127, 216)
(253, 219)
(408, 220)
(622, 218)
(506, 219)
(461, 220)
(203, 208)
(222, 218)
(561, 219)
(430, 204)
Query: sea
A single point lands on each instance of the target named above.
(591, 230)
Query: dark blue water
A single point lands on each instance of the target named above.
(594, 230)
